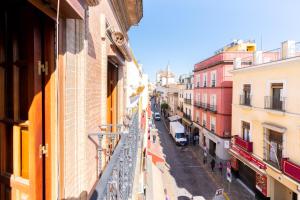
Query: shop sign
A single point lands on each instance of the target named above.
(291, 169)
(228, 172)
(261, 183)
(250, 158)
(226, 144)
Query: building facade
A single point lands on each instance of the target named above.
(213, 97)
(187, 92)
(265, 121)
(67, 70)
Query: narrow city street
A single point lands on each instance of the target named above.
(185, 176)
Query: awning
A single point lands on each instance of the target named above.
(174, 118)
(138, 91)
(245, 161)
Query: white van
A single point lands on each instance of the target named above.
(178, 133)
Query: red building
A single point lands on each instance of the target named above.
(212, 100)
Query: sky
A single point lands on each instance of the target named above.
(184, 32)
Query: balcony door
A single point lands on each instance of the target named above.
(26, 48)
(112, 93)
(277, 96)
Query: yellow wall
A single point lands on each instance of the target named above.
(260, 77)
(245, 46)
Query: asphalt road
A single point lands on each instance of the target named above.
(189, 177)
(185, 168)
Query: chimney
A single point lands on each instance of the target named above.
(257, 57)
(237, 63)
(288, 49)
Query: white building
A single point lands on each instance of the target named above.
(165, 77)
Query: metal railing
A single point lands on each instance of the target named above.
(197, 104)
(271, 56)
(275, 103)
(186, 116)
(213, 83)
(212, 107)
(188, 101)
(116, 179)
(245, 100)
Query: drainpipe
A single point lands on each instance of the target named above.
(57, 101)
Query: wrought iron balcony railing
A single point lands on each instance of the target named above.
(117, 178)
(245, 100)
(188, 101)
(197, 104)
(213, 83)
(186, 116)
(275, 103)
(212, 107)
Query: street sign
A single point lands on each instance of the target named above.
(228, 172)
(219, 195)
(226, 144)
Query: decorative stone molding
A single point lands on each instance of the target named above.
(92, 2)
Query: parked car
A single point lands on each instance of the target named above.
(157, 116)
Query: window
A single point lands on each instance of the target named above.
(245, 99)
(213, 102)
(246, 131)
(204, 80)
(197, 117)
(213, 76)
(212, 124)
(198, 80)
(273, 147)
(204, 119)
(277, 96)
(204, 98)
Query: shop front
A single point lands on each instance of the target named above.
(285, 183)
(251, 171)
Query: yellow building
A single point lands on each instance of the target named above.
(239, 45)
(266, 122)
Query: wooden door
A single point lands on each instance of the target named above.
(23, 86)
(112, 93)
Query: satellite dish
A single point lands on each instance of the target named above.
(118, 38)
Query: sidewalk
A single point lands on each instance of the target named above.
(233, 190)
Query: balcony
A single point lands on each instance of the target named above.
(205, 84)
(246, 145)
(186, 116)
(116, 179)
(245, 100)
(188, 101)
(212, 128)
(212, 108)
(197, 104)
(290, 169)
(204, 105)
(275, 103)
(213, 83)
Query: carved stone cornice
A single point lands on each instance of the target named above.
(128, 12)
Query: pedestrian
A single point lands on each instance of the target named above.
(205, 157)
(220, 167)
(166, 194)
(154, 137)
(212, 164)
